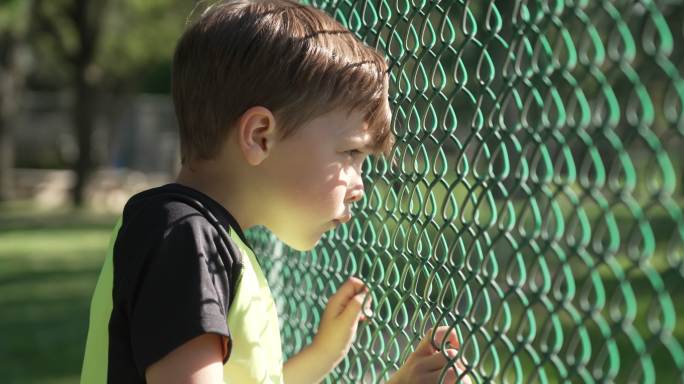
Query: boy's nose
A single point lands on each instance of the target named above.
(354, 195)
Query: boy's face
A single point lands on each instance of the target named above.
(315, 177)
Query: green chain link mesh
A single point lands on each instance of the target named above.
(536, 204)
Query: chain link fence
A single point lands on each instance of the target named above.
(536, 201)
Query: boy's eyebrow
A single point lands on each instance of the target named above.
(365, 140)
(358, 136)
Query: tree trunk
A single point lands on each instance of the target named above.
(84, 118)
(6, 159)
(86, 16)
(11, 79)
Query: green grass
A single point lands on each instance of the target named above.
(49, 261)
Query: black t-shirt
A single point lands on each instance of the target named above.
(175, 269)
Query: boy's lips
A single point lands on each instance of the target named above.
(341, 219)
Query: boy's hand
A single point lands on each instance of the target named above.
(337, 330)
(425, 364)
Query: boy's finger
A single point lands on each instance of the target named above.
(448, 333)
(353, 310)
(460, 363)
(433, 377)
(426, 348)
(339, 300)
(435, 362)
(451, 376)
(367, 310)
(464, 379)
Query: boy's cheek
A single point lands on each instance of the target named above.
(318, 191)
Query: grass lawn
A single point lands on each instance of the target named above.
(49, 262)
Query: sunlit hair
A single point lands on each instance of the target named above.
(293, 59)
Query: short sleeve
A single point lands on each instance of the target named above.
(182, 293)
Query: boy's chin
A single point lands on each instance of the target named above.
(300, 243)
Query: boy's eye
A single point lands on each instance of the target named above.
(353, 152)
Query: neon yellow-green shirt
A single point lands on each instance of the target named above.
(179, 266)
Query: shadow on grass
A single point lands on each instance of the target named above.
(59, 220)
(43, 324)
(49, 263)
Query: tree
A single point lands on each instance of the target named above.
(13, 29)
(92, 45)
(74, 28)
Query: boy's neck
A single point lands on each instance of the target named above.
(220, 187)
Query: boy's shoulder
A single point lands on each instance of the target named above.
(153, 213)
(170, 202)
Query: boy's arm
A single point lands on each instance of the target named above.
(335, 335)
(198, 361)
(310, 365)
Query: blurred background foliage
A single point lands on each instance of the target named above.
(66, 58)
(133, 51)
(89, 51)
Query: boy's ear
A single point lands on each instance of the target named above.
(256, 134)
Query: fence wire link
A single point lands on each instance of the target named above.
(536, 201)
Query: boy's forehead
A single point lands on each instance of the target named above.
(352, 123)
(344, 126)
(354, 128)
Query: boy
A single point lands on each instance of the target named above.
(277, 107)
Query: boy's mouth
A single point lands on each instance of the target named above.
(344, 218)
(341, 220)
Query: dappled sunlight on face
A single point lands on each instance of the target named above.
(312, 174)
